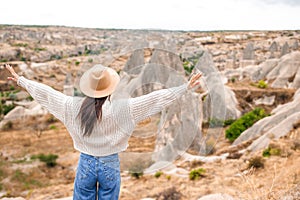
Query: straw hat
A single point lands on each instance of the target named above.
(99, 81)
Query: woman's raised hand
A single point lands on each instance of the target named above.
(194, 81)
(14, 76)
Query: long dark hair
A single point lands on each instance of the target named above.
(90, 112)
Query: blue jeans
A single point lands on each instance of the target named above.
(97, 176)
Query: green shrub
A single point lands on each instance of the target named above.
(51, 119)
(196, 163)
(168, 177)
(169, 194)
(38, 49)
(90, 60)
(262, 84)
(6, 108)
(158, 174)
(20, 45)
(136, 171)
(136, 174)
(77, 63)
(55, 57)
(52, 127)
(246, 121)
(49, 159)
(256, 162)
(188, 67)
(271, 151)
(197, 173)
(29, 98)
(7, 126)
(228, 122)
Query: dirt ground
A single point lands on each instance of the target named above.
(31, 179)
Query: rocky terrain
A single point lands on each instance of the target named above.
(242, 71)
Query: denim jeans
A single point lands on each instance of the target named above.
(97, 176)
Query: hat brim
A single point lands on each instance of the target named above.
(90, 92)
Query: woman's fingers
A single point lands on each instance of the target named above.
(194, 81)
(10, 69)
(196, 77)
(15, 76)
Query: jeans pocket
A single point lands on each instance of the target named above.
(83, 169)
(111, 169)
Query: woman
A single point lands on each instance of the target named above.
(100, 128)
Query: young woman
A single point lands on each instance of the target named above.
(100, 128)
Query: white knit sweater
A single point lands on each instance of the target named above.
(119, 117)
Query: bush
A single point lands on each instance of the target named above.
(168, 177)
(4, 109)
(29, 98)
(52, 127)
(188, 67)
(169, 194)
(136, 174)
(20, 45)
(246, 121)
(7, 126)
(256, 162)
(271, 151)
(55, 57)
(49, 159)
(196, 163)
(136, 171)
(51, 119)
(38, 49)
(158, 174)
(197, 173)
(262, 84)
(228, 122)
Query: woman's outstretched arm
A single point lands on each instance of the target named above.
(144, 106)
(52, 100)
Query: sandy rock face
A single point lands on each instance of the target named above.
(217, 197)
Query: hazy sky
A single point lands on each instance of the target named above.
(156, 14)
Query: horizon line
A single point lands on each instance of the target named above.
(151, 29)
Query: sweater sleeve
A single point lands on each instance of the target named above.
(48, 97)
(150, 104)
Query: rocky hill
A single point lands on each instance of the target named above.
(242, 71)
